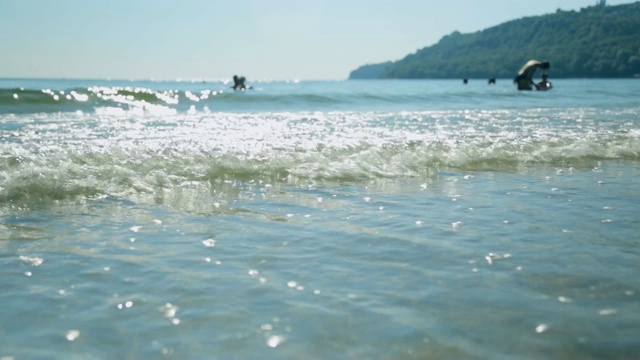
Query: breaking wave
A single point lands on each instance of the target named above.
(81, 155)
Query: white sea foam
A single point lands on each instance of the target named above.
(275, 218)
(124, 153)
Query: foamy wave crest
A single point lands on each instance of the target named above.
(210, 156)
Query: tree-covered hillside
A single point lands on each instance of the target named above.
(598, 41)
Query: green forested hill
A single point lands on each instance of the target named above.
(598, 41)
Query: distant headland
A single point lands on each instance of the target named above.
(596, 42)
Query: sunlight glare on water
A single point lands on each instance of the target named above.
(318, 220)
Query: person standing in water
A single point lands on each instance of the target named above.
(524, 80)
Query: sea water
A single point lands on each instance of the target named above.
(319, 220)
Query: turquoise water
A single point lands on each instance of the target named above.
(319, 220)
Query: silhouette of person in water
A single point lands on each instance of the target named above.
(492, 81)
(465, 81)
(524, 80)
(238, 83)
(544, 83)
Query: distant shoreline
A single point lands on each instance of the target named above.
(596, 42)
(197, 81)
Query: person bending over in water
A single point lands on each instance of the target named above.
(524, 80)
(544, 83)
(238, 83)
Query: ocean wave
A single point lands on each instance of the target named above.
(159, 140)
(218, 97)
(204, 97)
(25, 101)
(50, 173)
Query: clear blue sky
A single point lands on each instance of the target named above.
(214, 39)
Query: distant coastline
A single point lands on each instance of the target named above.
(595, 42)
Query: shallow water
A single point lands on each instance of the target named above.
(386, 220)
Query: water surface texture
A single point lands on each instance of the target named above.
(319, 220)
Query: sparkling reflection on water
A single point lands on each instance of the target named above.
(524, 262)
